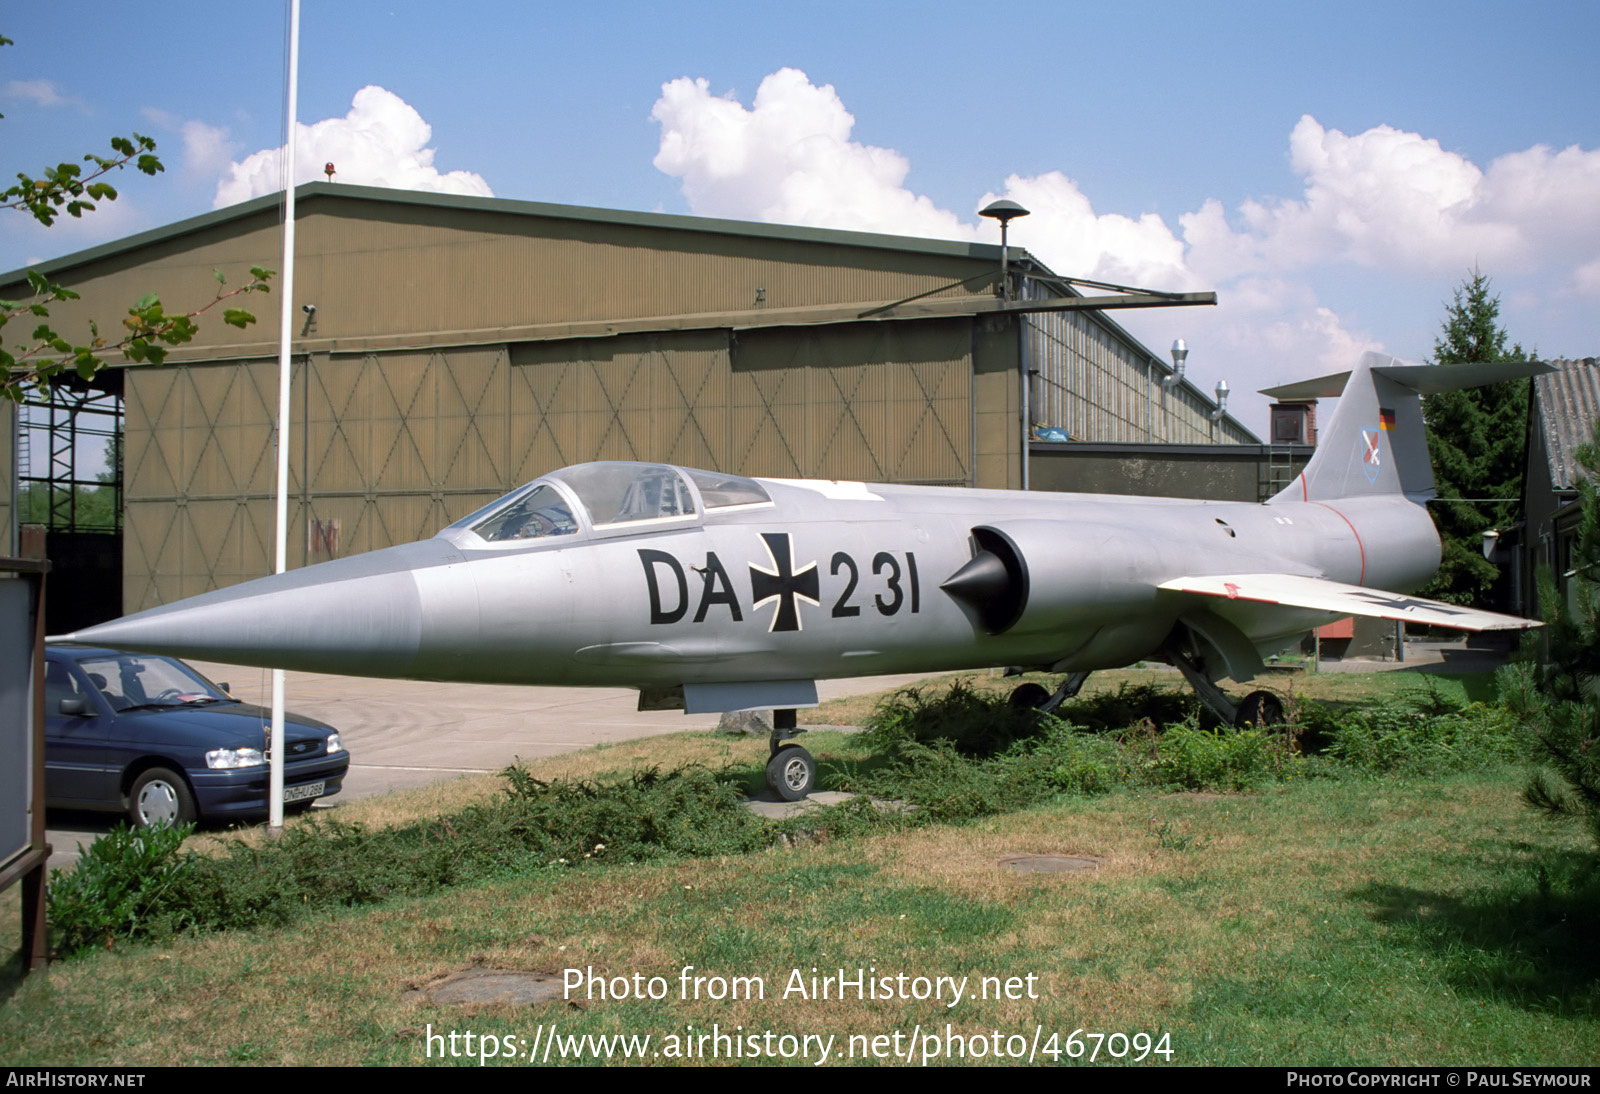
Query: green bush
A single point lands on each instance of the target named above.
(1398, 737)
(132, 886)
(975, 723)
(1201, 759)
(1132, 704)
(122, 887)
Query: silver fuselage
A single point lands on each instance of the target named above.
(826, 580)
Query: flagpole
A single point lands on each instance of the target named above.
(285, 319)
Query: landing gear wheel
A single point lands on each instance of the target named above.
(1029, 697)
(159, 796)
(792, 773)
(1260, 708)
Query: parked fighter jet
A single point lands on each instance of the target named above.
(714, 592)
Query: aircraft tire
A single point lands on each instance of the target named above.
(1029, 697)
(1260, 708)
(792, 773)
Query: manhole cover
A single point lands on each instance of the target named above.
(1047, 864)
(517, 989)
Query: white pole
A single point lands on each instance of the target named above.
(285, 318)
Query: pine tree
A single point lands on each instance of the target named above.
(1554, 695)
(1476, 439)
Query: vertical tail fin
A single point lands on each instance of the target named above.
(1375, 443)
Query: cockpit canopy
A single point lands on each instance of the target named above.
(609, 496)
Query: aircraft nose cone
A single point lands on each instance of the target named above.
(359, 616)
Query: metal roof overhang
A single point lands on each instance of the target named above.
(749, 319)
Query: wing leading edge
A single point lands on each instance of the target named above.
(1317, 594)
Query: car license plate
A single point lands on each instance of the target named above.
(301, 793)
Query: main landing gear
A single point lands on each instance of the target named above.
(791, 772)
(1035, 697)
(1259, 708)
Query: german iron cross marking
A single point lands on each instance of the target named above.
(782, 584)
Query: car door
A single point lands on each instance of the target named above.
(78, 767)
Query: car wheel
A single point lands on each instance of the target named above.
(160, 796)
(792, 773)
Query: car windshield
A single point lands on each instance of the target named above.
(129, 682)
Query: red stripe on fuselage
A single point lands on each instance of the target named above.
(1359, 545)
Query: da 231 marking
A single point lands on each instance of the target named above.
(782, 585)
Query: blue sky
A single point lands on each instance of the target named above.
(1331, 172)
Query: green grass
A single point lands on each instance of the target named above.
(1384, 922)
(1418, 916)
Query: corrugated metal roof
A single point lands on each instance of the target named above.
(309, 191)
(1568, 402)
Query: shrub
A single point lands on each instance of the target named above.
(1397, 737)
(122, 887)
(975, 723)
(137, 885)
(1201, 759)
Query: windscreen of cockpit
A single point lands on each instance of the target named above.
(539, 512)
(720, 491)
(624, 493)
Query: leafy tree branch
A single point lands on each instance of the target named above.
(65, 188)
(148, 332)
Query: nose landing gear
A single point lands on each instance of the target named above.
(791, 770)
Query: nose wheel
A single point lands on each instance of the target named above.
(791, 772)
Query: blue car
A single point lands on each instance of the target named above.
(150, 737)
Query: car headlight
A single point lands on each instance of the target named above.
(334, 744)
(235, 757)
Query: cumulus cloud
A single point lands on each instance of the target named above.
(382, 141)
(788, 159)
(207, 150)
(1383, 199)
(44, 93)
(1065, 231)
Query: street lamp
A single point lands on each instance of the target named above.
(1005, 212)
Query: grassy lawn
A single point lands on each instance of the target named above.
(1327, 921)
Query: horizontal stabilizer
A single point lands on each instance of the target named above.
(1420, 379)
(1316, 594)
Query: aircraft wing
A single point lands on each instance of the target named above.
(1318, 594)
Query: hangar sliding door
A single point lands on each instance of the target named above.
(395, 446)
(198, 476)
(383, 449)
(633, 397)
(883, 402)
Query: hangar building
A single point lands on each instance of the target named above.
(459, 347)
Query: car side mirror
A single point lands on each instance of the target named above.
(74, 706)
(225, 688)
